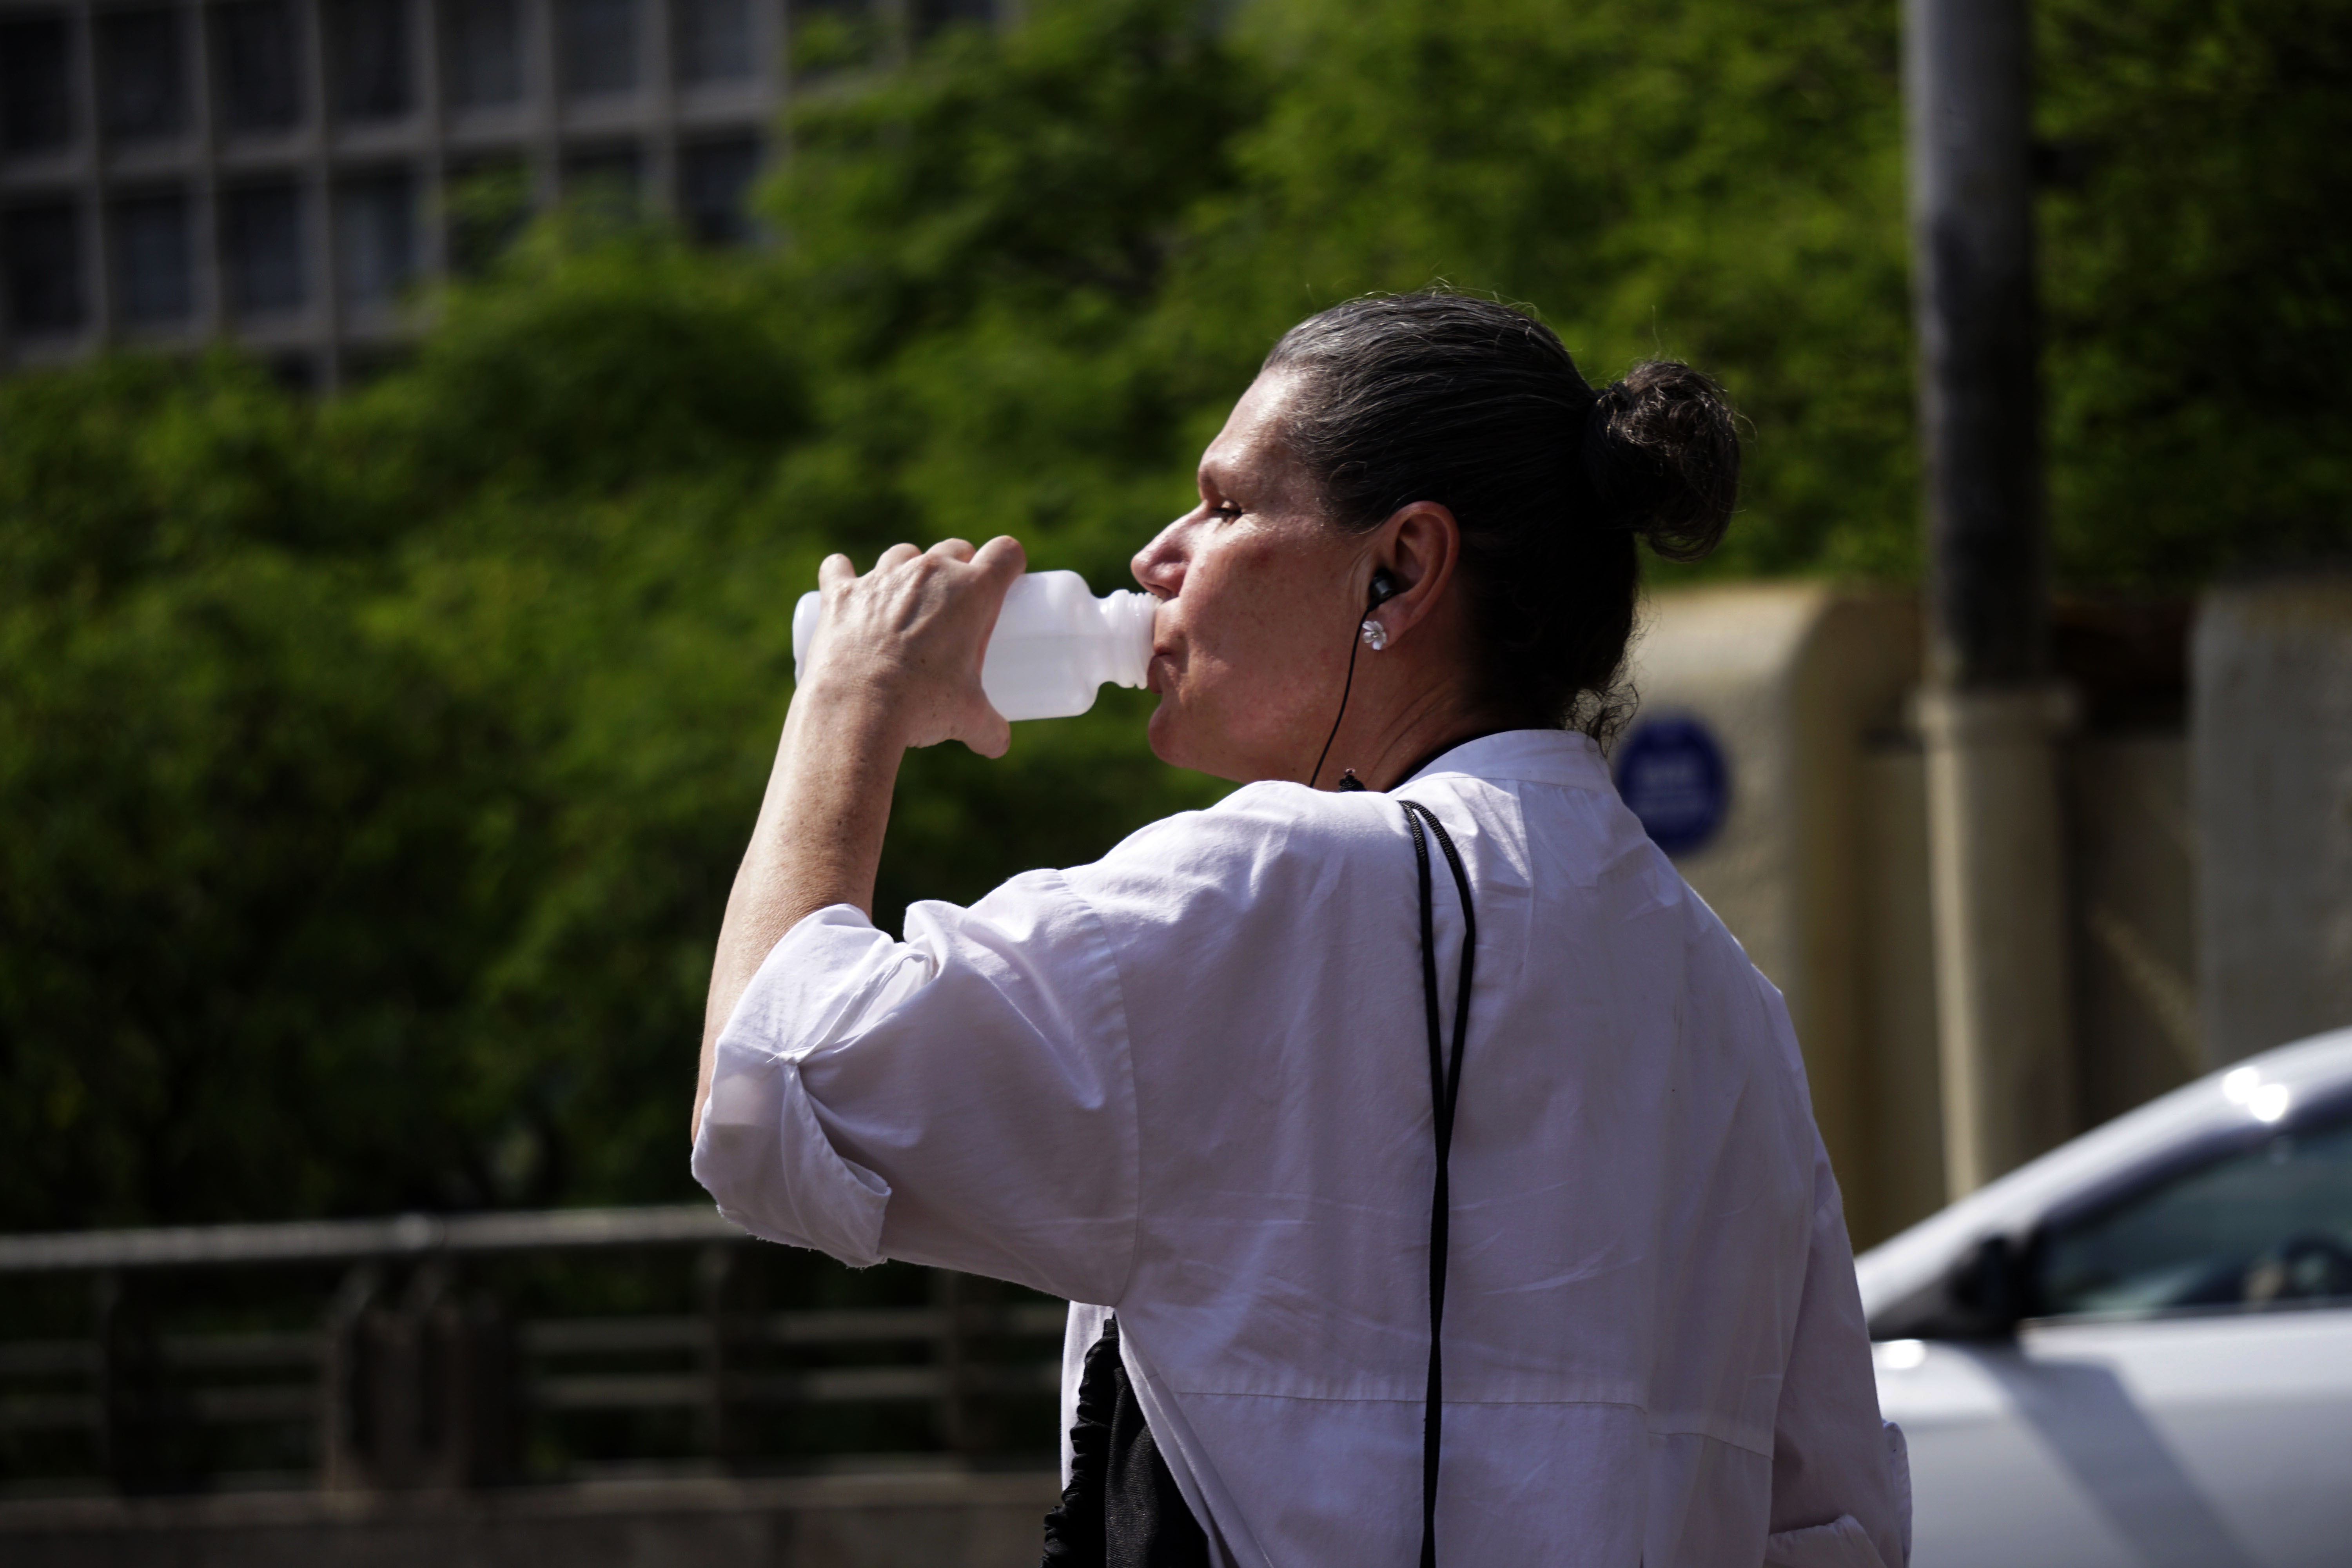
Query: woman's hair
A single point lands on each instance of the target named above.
(1442, 397)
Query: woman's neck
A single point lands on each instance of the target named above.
(1411, 740)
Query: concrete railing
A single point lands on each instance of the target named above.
(408, 1235)
(415, 1377)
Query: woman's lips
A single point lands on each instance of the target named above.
(1162, 664)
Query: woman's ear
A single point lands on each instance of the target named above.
(1420, 544)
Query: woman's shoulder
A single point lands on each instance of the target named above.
(1265, 820)
(1260, 845)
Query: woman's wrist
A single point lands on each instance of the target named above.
(856, 709)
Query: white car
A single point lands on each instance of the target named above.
(2136, 1351)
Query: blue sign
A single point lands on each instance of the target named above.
(1671, 774)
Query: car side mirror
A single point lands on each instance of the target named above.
(1980, 1297)
(1986, 1290)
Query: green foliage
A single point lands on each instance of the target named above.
(2198, 277)
(372, 773)
(986, 244)
(597, 357)
(222, 901)
(1690, 179)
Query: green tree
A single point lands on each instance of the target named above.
(2197, 258)
(372, 773)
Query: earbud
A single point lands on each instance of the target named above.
(1383, 589)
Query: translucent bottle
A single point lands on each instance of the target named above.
(1054, 646)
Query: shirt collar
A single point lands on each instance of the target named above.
(1532, 756)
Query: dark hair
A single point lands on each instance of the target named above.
(1444, 398)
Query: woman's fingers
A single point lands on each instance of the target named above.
(1001, 557)
(995, 567)
(988, 733)
(897, 555)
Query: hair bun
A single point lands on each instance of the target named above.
(1661, 452)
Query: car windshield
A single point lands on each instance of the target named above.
(2270, 1226)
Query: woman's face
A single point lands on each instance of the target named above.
(1260, 597)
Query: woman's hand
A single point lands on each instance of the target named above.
(901, 647)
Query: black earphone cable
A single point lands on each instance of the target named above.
(1444, 1090)
(1383, 589)
(1355, 640)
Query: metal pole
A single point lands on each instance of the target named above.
(1990, 714)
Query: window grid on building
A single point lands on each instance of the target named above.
(285, 171)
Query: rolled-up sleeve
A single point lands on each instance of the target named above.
(964, 1098)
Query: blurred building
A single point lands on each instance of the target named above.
(282, 172)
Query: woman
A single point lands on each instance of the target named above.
(1201, 1087)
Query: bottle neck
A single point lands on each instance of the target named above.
(1129, 618)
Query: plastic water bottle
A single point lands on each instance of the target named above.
(1054, 646)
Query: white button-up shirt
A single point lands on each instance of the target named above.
(1190, 1083)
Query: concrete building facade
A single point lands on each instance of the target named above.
(285, 173)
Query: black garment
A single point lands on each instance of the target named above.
(1121, 1509)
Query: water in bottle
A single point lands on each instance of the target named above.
(1054, 646)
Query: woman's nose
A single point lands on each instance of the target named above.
(1158, 566)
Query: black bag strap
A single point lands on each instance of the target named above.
(1444, 1090)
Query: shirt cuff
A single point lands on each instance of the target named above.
(761, 1152)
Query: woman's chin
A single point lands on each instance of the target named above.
(1165, 733)
(1175, 738)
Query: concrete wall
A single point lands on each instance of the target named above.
(2132, 841)
(1820, 868)
(2272, 776)
(1794, 679)
(946, 1520)
(1903, 1180)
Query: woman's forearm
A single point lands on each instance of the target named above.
(817, 843)
(896, 663)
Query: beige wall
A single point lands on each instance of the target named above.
(1904, 1180)
(2135, 860)
(1793, 679)
(2272, 768)
(1821, 871)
